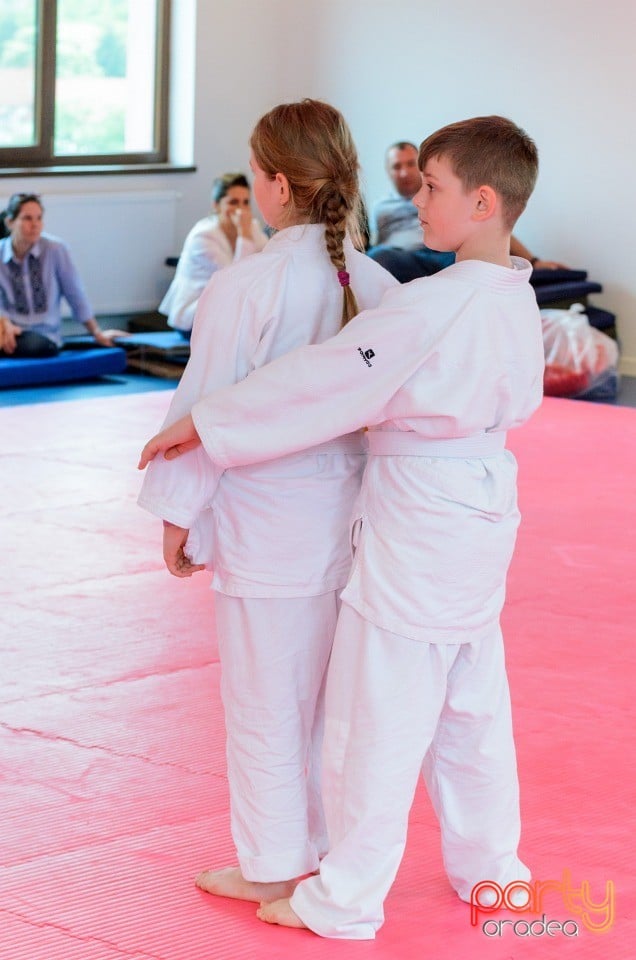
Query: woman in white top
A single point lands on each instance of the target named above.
(228, 234)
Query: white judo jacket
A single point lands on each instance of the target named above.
(455, 355)
(279, 528)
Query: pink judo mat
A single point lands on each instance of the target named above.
(113, 791)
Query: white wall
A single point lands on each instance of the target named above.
(563, 69)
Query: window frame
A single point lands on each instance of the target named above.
(40, 157)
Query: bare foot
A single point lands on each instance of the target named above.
(280, 912)
(230, 882)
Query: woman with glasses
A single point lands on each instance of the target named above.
(36, 272)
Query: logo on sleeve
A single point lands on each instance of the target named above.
(366, 355)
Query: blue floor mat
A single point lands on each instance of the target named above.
(67, 365)
(112, 386)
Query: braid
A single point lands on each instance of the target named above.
(336, 215)
(311, 144)
(335, 227)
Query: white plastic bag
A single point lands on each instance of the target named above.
(580, 361)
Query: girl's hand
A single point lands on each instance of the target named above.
(177, 562)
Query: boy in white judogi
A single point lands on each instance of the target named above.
(438, 372)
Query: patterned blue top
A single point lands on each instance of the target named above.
(31, 290)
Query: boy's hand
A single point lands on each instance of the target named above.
(174, 539)
(175, 440)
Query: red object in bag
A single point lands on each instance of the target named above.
(559, 381)
(577, 356)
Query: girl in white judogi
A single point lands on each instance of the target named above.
(439, 372)
(276, 535)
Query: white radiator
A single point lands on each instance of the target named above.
(119, 242)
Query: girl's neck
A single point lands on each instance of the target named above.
(291, 222)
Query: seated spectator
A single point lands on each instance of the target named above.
(36, 272)
(398, 233)
(228, 234)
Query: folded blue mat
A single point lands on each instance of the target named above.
(161, 341)
(563, 275)
(567, 290)
(603, 320)
(69, 364)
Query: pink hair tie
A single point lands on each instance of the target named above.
(344, 278)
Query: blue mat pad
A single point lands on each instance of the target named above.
(570, 290)
(160, 341)
(539, 278)
(69, 364)
(603, 320)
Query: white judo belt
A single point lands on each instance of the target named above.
(349, 443)
(385, 443)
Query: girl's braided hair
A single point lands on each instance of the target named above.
(311, 144)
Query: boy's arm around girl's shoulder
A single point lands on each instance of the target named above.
(322, 391)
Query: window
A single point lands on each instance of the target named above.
(83, 82)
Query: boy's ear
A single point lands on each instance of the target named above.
(486, 203)
(283, 188)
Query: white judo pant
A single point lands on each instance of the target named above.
(274, 654)
(396, 706)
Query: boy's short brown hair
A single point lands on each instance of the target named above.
(492, 151)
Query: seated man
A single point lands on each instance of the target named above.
(398, 234)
